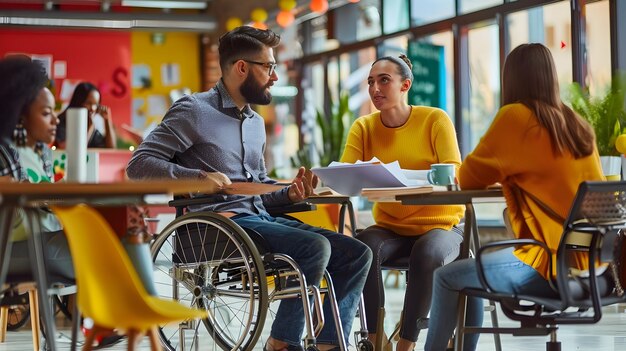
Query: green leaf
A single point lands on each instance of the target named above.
(606, 114)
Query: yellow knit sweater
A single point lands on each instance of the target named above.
(516, 151)
(427, 137)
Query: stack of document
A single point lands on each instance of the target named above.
(350, 178)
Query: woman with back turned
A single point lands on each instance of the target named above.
(559, 153)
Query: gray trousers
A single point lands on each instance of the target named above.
(426, 253)
(57, 257)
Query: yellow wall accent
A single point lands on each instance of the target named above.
(180, 48)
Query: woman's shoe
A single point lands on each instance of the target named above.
(288, 348)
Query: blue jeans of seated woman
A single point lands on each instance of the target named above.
(315, 250)
(503, 271)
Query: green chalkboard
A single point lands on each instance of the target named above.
(429, 74)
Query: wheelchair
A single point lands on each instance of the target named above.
(206, 260)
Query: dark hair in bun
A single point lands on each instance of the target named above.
(403, 63)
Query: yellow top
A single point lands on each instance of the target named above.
(517, 152)
(427, 137)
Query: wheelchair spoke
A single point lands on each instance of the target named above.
(226, 284)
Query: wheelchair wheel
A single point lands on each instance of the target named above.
(18, 316)
(207, 261)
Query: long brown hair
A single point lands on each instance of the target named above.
(529, 77)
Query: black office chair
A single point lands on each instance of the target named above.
(594, 225)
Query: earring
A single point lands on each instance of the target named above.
(19, 134)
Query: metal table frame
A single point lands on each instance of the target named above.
(471, 238)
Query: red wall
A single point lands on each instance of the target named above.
(100, 57)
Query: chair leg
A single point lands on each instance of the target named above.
(4, 321)
(553, 346)
(133, 338)
(494, 323)
(380, 330)
(91, 336)
(75, 325)
(34, 317)
(155, 343)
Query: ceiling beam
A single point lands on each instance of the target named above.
(110, 20)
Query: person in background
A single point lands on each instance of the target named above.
(29, 124)
(415, 136)
(215, 135)
(559, 153)
(100, 129)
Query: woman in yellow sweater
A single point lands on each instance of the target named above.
(416, 136)
(559, 153)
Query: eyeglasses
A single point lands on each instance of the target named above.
(271, 66)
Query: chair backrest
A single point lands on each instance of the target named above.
(108, 285)
(593, 225)
(599, 203)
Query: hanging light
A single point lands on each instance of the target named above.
(285, 18)
(258, 25)
(258, 15)
(287, 4)
(233, 23)
(354, 1)
(319, 6)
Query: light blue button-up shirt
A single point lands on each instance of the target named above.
(206, 132)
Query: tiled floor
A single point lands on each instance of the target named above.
(608, 335)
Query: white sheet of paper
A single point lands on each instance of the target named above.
(348, 179)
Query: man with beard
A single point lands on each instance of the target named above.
(215, 135)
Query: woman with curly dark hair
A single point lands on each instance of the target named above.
(28, 125)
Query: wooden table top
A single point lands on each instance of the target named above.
(130, 188)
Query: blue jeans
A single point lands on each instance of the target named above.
(503, 271)
(315, 250)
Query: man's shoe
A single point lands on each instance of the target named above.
(288, 348)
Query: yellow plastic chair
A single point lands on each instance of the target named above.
(110, 291)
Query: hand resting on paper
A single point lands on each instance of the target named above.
(302, 185)
(494, 186)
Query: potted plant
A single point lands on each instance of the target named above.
(334, 129)
(607, 116)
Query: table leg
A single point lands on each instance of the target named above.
(6, 225)
(351, 217)
(39, 271)
(468, 235)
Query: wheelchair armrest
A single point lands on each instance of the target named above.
(291, 208)
(507, 243)
(274, 211)
(188, 201)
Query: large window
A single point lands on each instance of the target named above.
(475, 5)
(355, 22)
(551, 26)
(354, 72)
(598, 47)
(396, 15)
(428, 11)
(484, 70)
(316, 36)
